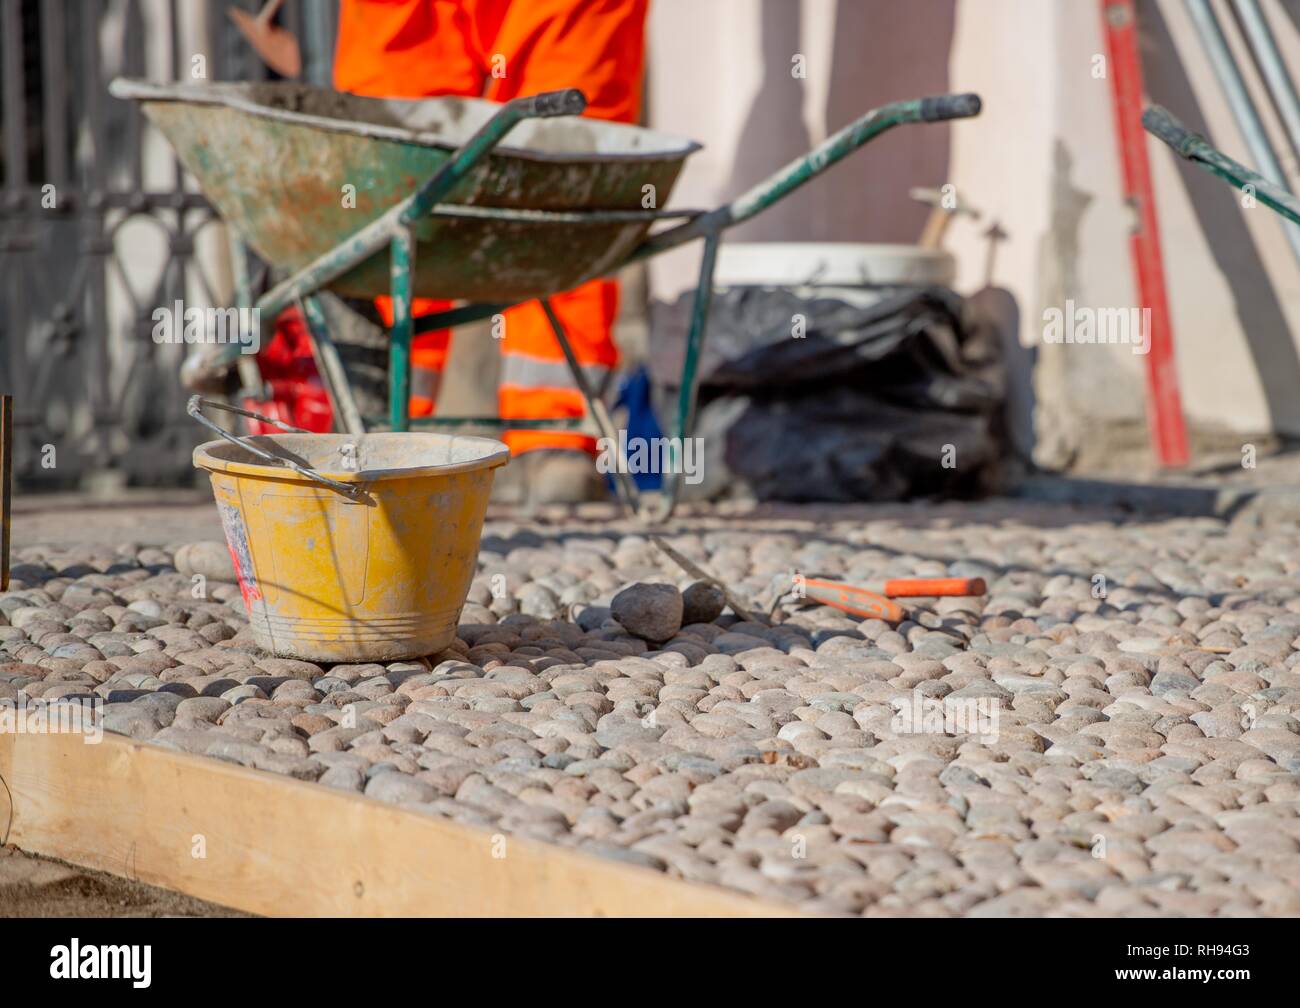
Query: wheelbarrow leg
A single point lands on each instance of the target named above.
(689, 390)
(628, 494)
(401, 267)
(250, 375)
(347, 418)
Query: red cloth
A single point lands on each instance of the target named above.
(288, 366)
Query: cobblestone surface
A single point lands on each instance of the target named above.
(1112, 730)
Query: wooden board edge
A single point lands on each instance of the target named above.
(272, 845)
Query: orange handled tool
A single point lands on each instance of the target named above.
(855, 601)
(928, 587)
(875, 602)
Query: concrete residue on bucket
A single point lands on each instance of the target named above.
(376, 576)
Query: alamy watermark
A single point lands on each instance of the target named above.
(919, 714)
(60, 716)
(176, 323)
(75, 961)
(637, 456)
(1081, 324)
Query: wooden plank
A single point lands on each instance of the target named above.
(281, 847)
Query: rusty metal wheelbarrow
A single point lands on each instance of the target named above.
(457, 198)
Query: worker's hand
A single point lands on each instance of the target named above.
(278, 47)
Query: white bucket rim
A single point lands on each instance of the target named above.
(864, 265)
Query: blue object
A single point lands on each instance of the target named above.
(634, 395)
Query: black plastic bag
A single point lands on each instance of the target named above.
(817, 399)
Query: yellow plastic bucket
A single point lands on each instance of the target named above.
(377, 573)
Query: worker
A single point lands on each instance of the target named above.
(503, 49)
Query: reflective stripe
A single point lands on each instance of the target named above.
(530, 401)
(520, 441)
(531, 372)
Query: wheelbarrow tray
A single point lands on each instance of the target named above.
(277, 161)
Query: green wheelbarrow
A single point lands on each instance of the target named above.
(485, 204)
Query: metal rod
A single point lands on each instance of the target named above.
(1243, 109)
(195, 409)
(686, 395)
(1194, 147)
(250, 375)
(470, 211)
(463, 315)
(401, 269)
(695, 571)
(332, 265)
(628, 492)
(6, 483)
(54, 41)
(346, 414)
(13, 111)
(629, 496)
(318, 42)
(496, 422)
(1272, 68)
(799, 171)
(91, 146)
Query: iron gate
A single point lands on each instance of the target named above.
(99, 226)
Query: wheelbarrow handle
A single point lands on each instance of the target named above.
(1161, 124)
(853, 600)
(567, 101)
(194, 408)
(953, 106)
(953, 587)
(1188, 144)
(802, 169)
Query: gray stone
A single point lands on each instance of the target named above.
(702, 602)
(650, 611)
(399, 788)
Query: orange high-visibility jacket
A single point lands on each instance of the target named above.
(503, 49)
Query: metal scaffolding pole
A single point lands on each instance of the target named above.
(1271, 68)
(1243, 108)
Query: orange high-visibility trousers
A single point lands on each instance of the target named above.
(500, 49)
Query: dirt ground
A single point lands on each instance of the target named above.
(32, 886)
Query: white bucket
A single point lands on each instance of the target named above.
(832, 269)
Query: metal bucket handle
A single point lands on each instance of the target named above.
(193, 408)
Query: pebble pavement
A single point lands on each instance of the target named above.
(1113, 730)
